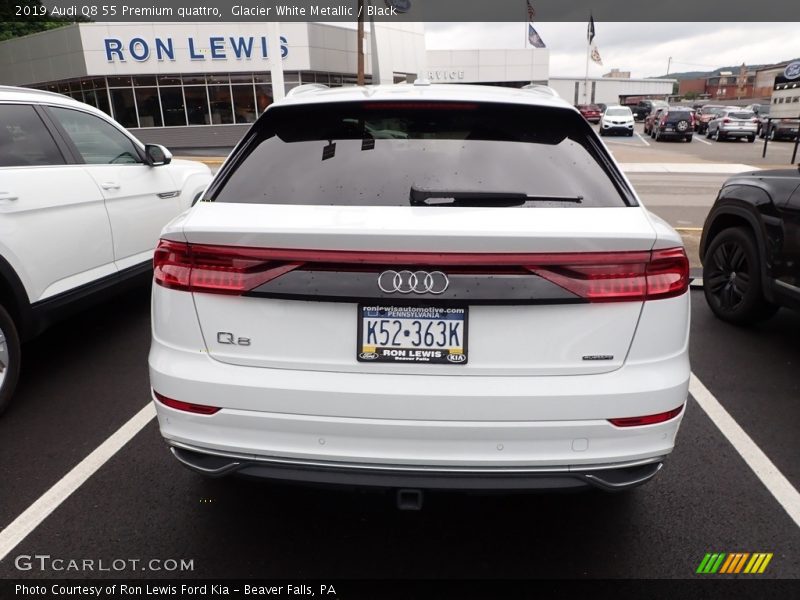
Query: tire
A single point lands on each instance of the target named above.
(9, 358)
(751, 139)
(630, 134)
(708, 134)
(772, 135)
(732, 278)
(718, 136)
(688, 138)
(682, 126)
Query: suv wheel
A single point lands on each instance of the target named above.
(717, 135)
(9, 358)
(732, 278)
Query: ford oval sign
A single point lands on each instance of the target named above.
(792, 70)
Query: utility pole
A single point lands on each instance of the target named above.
(360, 79)
(669, 64)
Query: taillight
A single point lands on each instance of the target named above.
(624, 276)
(593, 276)
(647, 420)
(663, 121)
(216, 269)
(726, 120)
(198, 409)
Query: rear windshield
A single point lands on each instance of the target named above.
(618, 112)
(390, 153)
(741, 115)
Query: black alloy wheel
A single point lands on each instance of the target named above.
(732, 278)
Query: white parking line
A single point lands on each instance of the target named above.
(696, 138)
(783, 491)
(37, 512)
(644, 141)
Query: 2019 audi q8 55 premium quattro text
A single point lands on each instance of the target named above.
(421, 287)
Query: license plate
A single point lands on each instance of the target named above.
(412, 334)
(668, 129)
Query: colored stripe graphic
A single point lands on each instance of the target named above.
(734, 563)
(711, 563)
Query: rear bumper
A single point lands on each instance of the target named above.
(462, 432)
(738, 132)
(615, 477)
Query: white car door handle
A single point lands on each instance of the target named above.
(8, 196)
(109, 185)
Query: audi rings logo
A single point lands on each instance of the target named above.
(407, 282)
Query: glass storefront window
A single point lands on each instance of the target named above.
(149, 107)
(263, 97)
(144, 80)
(220, 99)
(119, 81)
(124, 107)
(194, 80)
(196, 105)
(239, 78)
(169, 80)
(172, 105)
(219, 78)
(262, 77)
(244, 106)
(93, 84)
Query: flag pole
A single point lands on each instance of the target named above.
(586, 76)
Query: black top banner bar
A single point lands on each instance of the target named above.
(711, 11)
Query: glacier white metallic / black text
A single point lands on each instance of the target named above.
(421, 286)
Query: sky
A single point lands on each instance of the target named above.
(641, 48)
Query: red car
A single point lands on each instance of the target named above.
(590, 112)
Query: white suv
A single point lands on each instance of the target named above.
(421, 287)
(82, 204)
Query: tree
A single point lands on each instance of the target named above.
(12, 26)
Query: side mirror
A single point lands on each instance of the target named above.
(157, 155)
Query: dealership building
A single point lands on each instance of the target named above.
(203, 84)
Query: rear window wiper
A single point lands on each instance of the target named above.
(421, 197)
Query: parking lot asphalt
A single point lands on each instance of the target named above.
(86, 377)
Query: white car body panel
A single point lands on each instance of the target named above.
(56, 234)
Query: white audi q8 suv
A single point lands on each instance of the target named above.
(421, 287)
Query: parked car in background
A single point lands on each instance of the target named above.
(458, 324)
(650, 120)
(647, 107)
(590, 112)
(704, 114)
(674, 122)
(758, 109)
(82, 203)
(749, 246)
(733, 124)
(763, 119)
(783, 129)
(617, 119)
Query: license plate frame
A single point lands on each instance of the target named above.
(448, 354)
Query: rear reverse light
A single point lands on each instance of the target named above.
(594, 276)
(647, 420)
(198, 409)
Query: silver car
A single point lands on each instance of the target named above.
(732, 124)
